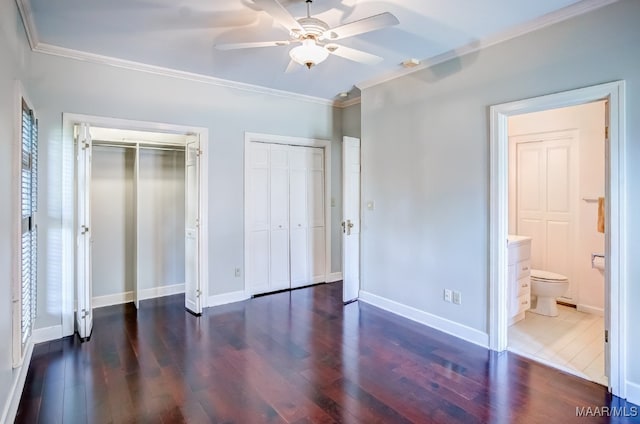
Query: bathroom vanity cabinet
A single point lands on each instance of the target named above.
(519, 293)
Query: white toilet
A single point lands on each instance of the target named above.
(547, 286)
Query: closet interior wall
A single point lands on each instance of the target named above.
(138, 215)
(114, 220)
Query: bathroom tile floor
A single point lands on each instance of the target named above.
(573, 341)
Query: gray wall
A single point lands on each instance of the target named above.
(63, 85)
(426, 159)
(351, 121)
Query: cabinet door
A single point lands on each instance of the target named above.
(299, 237)
(258, 206)
(279, 206)
(316, 210)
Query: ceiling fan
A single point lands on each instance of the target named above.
(315, 36)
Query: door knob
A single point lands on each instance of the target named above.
(349, 227)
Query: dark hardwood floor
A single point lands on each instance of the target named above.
(296, 357)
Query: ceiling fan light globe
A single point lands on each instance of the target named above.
(309, 53)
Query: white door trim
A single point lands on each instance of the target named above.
(250, 137)
(615, 191)
(68, 199)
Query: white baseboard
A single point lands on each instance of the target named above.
(112, 299)
(590, 309)
(223, 299)
(126, 297)
(154, 292)
(19, 376)
(450, 327)
(333, 277)
(633, 393)
(41, 335)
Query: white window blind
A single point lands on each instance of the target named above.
(29, 239)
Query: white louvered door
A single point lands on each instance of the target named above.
(84, 314)
(192, 291)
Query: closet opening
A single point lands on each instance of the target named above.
(138, 218)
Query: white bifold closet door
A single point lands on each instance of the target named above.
(285, 217)
(279, 222)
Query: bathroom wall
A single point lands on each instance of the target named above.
(589, 120)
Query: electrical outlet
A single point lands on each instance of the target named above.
(237, 272)
(447, 295)
(457, 297)
(333, 202)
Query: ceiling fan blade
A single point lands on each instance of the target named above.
(280, 14)
(236, 46)
(292, 67)
(361, 26)
(353, 54)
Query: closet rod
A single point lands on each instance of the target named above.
(122, 146)
(128, 146)
(174, 149)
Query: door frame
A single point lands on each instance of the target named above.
(616, 224)
(69, 224)
(250, 137)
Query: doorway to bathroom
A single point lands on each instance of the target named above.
(552, 178)
(556, 247)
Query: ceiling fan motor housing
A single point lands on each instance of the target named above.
(313, 27)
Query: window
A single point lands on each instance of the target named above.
(26, 295)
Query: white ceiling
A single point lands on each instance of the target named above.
(181, 34)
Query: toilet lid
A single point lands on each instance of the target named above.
(539, 274)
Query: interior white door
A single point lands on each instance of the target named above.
(316, 210)
(299, 238)
(351, 219)
(279, 217)
(546, 205)
(193, 291)
(84, 314)
(257, 219)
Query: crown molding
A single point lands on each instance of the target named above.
(26, 13)
(560, 15)
(350, 102)
(159, 70)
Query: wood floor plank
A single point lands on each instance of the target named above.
(295, 357)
